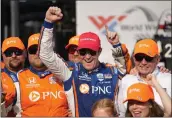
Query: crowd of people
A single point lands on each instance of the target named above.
(82, 86)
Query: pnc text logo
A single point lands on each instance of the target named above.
(35, 95)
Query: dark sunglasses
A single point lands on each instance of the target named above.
(140, 57)
(72, 49)
(83, 52)
(16, 51)
(33, 49)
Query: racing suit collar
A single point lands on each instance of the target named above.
(41, 74)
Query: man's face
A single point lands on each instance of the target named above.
(73, 54)
(89, 58)
(14, 58)
(34, 59)
(145, 64)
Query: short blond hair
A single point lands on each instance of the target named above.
(106, 104)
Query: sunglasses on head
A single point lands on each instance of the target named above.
(83, 52)
(33, 49)
(140, 57)
(72, 49)
(16, 51)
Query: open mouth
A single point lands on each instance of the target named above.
(137, 114)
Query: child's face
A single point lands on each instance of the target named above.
(139, 109)
(102, 112)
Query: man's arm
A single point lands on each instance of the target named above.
(122, 58)
(119, 102)
(119, 53)
(8, 91)
(165, 98)
(45, 51)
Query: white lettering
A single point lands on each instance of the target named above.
(134, 90)
(108, 90)
(35, 95)
(45, 94)
(54, 95)
(8, 42)
(34, 38)
(88, 39)
(101, 90)
(59, 95)
(94, 88)
(143, 45)
(32, 80)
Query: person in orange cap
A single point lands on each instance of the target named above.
(146, 57)
(71, 47)
(14, 55)
(141, 103)
(38, 94)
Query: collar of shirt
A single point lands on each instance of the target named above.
(11, 74)
(41, 74)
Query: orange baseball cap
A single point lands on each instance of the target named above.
(146, 46)
(140, 92)
(73, 41)
(12, 42)
(33, 39)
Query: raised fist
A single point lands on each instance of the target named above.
(112, 37)
(53, 14)
(151, 80)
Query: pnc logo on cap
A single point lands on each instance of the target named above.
(134, 90)
(143, 45)
(12, 41)
(34, 38)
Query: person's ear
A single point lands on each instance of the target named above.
(100, 50)
(133, 58)
(158, 58)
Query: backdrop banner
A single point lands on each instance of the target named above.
(133, 20)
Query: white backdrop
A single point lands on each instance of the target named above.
(133, 20)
